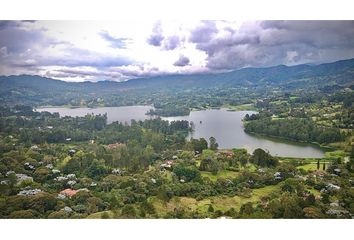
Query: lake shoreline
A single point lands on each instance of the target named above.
(225, 125)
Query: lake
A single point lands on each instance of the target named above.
(122, 114)
(226, 126)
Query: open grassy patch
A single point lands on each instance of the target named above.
(224, 203)
(220, 174)
(242, 107)
(98, 215)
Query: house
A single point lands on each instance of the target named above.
(61, 196)
(71, 176)
(71, 182)
(167, 165)
(337, 171)
(278, 176)
(318, 173)
(60, 179)
(117, 171)
(82, 190)
(71, 152)
(114, 145)
(227, 154)
(29, 192)
(23, 177)
(34, 147)
(28, 166)
(66, 209)
(68, 192)
(331, 186)
(49, 166)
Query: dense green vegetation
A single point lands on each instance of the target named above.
(82, 167)
(295, 129)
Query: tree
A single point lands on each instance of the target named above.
(189, 173)
(318, 164)
(246, 209)
(292, 185)
(199, 145)
(128, 211)
(26, 214)
(213, 144)
(263, 158)
(96, 169)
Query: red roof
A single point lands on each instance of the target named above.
(114, 145)
(68, 192)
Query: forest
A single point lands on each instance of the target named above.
(82, 167)
(55, 166)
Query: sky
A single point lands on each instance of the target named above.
(121, 50)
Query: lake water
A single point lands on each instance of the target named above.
(123, 114)
(225, 126)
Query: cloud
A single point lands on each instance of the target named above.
(61, 50)
(17, 38)
(268, 43)
(114, 42)
(27, 49)
(171, 43)
(204, 32)
(182, 61)
(167, 43)
(156, 37)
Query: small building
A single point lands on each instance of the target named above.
(117, 171)
(49, 166)
(114, 145)
(71, 176)
(278, 176)
(167, 164)
(28, 166)
(68, 192)
(72, 182)
(23, 177)
(67, 209)
(55, 171)
(71, 152)
(29, 192)
(331, 186)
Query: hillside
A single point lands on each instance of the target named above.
(34, 89)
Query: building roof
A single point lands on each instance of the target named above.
(68, 192)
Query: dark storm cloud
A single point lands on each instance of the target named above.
(17, 39)
(167, 43)
(182, 61)
(25, 48)
(156, 37)
(268, 43)
(204, 32)
(114, 42)
(72, 57)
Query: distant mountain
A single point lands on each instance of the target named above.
(34, 88)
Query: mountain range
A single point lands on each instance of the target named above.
(338, 74)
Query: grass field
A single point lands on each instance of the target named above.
(222, 203)
(243, 107)
(220, 174)
(98, 215)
